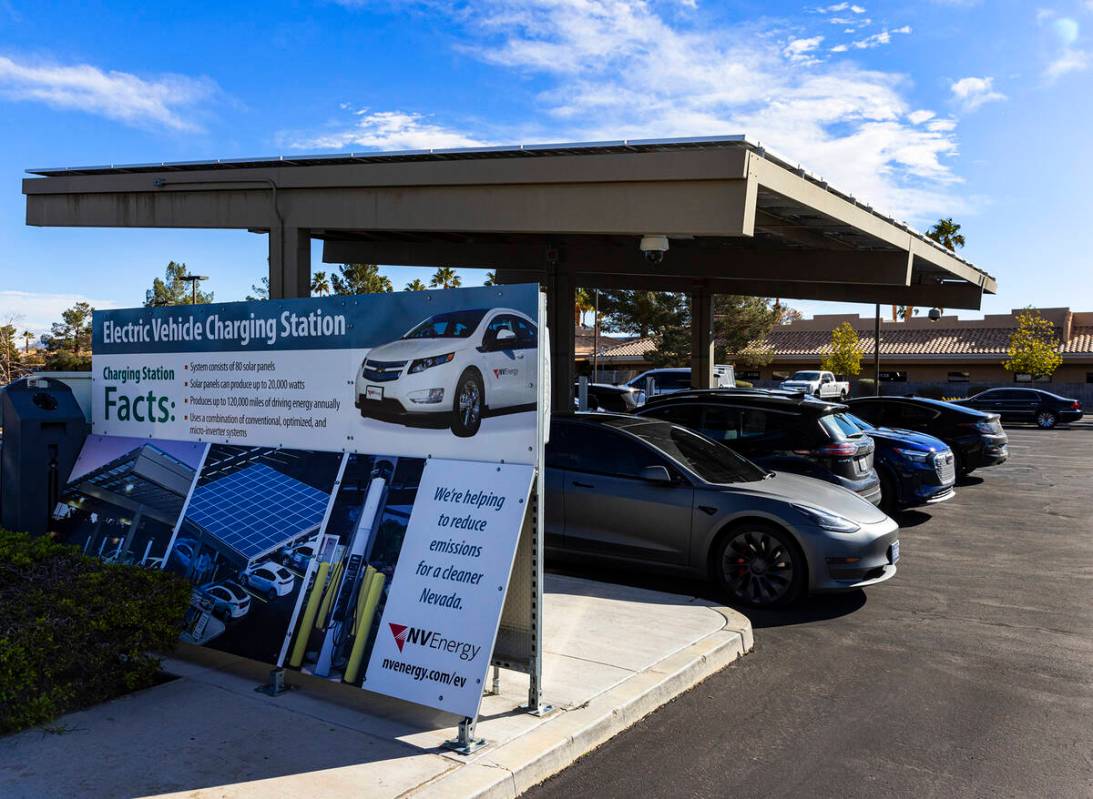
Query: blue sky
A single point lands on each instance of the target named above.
(980, 110)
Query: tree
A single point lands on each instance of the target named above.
(582, 304)
(741, 325)
(320, 284)
(360, 279)
(260, 289)
(9, 354)
(640, 313)
(68, 344)
(416, 285)
(845, 356)
(171, 289)
(27, 338)
(445, 278)
(947, 233)
(1033, 348)
(491, 279)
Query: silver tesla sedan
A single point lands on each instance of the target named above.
(636, 490)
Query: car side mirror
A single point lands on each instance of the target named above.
(504, 336)
(656, 474)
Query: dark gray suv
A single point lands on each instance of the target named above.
(643, 492)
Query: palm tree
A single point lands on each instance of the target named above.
(582, 304)
(320, 284)
(947, 233)
(416, 285)
(491, 279)
(445, 278)
(27, 338)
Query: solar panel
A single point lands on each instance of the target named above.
(256, 509)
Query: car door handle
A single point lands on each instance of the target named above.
(579, 484)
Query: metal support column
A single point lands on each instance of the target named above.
(562, 320)
(702, 343)
(466, 742)
(289, 262)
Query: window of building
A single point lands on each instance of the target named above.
(1020, 377)
(893, 376)
(1089, 377)
(748, 374)
(959, 377)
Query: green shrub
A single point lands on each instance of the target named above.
(75, 631)
(744, 384)
(931, 392)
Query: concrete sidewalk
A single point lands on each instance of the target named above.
(613, 654)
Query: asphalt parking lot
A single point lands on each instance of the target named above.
(969, 674)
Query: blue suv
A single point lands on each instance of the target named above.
(914, 468)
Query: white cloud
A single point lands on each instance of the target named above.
(869, 42)
(167, 101)
(920, 116)
(385, 130)
(36, 311)
(972, 92)
(800, 49)
(1066, 56)
(612, 69)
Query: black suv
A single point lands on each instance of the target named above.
(976, 438)
(780, 431)
(1026, 405)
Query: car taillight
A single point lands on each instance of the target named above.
(1077, 405)
(844, 449)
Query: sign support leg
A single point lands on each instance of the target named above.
(465, 742)
(276, 685)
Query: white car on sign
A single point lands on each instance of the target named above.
(452, 368)
(818, 383)
(269, 579)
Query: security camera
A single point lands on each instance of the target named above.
(653, 248)
(935, 314)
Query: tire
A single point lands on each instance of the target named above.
(816, 393)
(842, 396)
(1046, 420)
(743, 564)
(962, 468)
(468, 403)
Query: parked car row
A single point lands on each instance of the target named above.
(772, 494)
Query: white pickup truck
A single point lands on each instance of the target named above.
(820, 384)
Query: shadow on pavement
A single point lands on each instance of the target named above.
(968, 480)
(911, 518)
(819, 607)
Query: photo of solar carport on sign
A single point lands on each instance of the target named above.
(245, 543)
(256, 510)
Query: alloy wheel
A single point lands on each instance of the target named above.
(1045, 419)
(757, 567)
(470, 403)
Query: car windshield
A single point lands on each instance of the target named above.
(712, 462)
(805, 376)
(454, 324)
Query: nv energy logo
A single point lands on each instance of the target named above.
(499, 373)
(430, 639)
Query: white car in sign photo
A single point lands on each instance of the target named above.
(452, 368)
(270, 579)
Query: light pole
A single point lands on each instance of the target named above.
(193, 280)
(876, 351)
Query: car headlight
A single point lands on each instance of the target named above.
(913, 455)
(826, 519)
(421, 364)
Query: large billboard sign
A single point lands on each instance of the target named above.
(343, 481)
(412, 373)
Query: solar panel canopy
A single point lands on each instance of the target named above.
(256, 510)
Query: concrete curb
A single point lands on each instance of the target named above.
(512, 768)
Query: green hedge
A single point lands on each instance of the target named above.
(75, 631)
(744, 384)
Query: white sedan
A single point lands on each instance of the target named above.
(269, 579)
(452, 368)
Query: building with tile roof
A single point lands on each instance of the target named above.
(949, 350)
